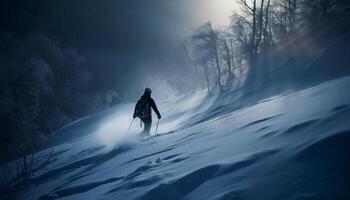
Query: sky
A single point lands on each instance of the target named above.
(127, 44)
(218, 12)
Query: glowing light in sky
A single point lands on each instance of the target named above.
(218, 12)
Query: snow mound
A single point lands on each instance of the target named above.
(290, 146)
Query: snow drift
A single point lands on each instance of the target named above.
(291, 146)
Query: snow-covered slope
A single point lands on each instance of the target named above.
(291, 146)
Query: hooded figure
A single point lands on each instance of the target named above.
(144, 112)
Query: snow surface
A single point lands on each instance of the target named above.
(290, 146)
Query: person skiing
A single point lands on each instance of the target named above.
(143, 110)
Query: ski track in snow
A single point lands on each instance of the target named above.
(292, 146)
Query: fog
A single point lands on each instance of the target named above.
(127, 45)
(72, 71)
(61, 61)
(64, 60)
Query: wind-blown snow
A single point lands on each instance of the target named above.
(291, 146)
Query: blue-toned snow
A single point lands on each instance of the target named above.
(290, 146)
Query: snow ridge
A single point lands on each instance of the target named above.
(291, 146)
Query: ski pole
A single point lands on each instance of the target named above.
(130, 126)
(155, 132)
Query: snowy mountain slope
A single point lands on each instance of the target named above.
(291, 146)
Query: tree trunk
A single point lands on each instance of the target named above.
(266, 23)
(260, 25)
(233, 62)
(217, 62)
(228, 61)
(252, 50)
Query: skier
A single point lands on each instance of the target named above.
(143, 110)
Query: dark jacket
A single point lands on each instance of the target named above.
(151, 104)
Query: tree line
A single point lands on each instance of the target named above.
(43, 87)
(223, 57)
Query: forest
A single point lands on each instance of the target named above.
(266, 46)
(264, 37)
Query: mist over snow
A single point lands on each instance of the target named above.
(298, 149)
(253, 99)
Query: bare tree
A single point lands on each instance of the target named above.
(250, 8)
(266, 39)
(28, 89)
(200, 59)
(260, 26)
(239, 39)
(285, 15)
(207, 40)
(228, 56)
